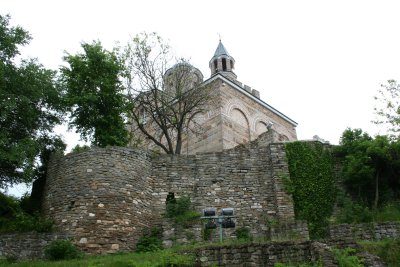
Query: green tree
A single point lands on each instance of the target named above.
(30, 107)
(95, 97)
(367, 163)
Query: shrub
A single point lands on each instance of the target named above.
(180, 210)
(62, 250)
(388, 250)
(278, 264)
(243, 233)
(8, 206)
(346, 258)
(150, 241)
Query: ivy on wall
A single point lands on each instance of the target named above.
(312, 184)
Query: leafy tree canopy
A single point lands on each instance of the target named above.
(370, 165)
(94, 95)
(30, 107)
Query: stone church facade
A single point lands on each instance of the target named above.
(236, 115)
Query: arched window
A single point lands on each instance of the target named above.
(215, 65)
(224, 64)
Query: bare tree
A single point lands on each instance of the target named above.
(387, 107)
(164, 100)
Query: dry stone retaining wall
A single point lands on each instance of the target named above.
(365, 231)
(266, 254)
(26, 245)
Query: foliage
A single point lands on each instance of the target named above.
(9, 206)
(62, 250)
(94, 95)
(150, 241)
(313, 184)
(370, 166)
(206, 234)
(78, 148)
(243, 233)
(167, 258)
(161, 258)
(357, 212)
(388, 107)
(166, 100)
(14, 219)
(318, 264)
(180, 210)
(352, 212)
(30, 106)
(346, 258)
(388, 250)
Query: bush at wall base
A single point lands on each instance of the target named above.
(62, 250)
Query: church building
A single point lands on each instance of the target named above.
(235, 115)
(239, 116)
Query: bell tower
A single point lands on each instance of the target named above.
(222, 62)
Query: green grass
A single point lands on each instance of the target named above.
(151, 259)
(388, 250)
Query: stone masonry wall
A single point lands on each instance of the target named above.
(102, 197)
(105, 198)
(266, 254)
(365, 231)
(26, 245)
(246, 178)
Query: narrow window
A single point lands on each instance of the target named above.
(215, 65)
(232, 64)
(224, 64)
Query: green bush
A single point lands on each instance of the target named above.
(388, 250)
(24, 222)
(346, 258)
(150, 241)
(351, 212)
(62, 250)
(180, 210)
(243, 233)
(9, 206)
(278, 264)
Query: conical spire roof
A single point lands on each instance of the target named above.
(221, 50)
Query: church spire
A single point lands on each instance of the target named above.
(222, 62)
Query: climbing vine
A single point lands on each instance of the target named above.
(312, 184)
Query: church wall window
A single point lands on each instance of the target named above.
(232, 64)
(215, 65)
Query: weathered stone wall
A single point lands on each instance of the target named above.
(246, 178)
(26, 245)
(266, 254)
(102, 197)
(365, 231)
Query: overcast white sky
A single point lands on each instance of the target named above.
(318, 62)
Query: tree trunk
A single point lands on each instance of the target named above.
(376, 190)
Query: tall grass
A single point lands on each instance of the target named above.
(162, 258)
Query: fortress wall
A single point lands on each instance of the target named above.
(102, 197)
(243, 178)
